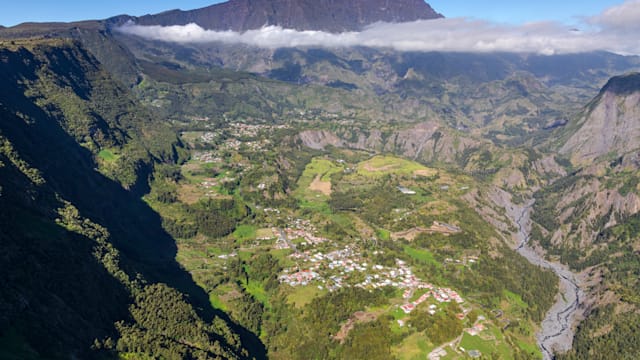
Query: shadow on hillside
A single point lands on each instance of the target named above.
(135, 228)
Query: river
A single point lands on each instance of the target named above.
(557, 328)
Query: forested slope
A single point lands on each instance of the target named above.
(88, 269)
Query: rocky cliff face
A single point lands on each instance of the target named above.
(610, 124)
(325, 15)
(427, 141)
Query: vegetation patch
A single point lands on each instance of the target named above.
(380, 165)
(323, 187)
(245, 232)
(414, 347)
(303, 295)
(108, 155)
(424, 256)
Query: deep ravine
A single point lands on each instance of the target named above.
(557, 328)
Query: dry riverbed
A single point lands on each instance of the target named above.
(558, 327)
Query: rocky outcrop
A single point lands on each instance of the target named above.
(549, 167)
(426, 141)
(610, 124)
(324, 15)
(319, 139)
(589, 207)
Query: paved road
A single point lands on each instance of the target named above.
(283, 236)
(453, 344)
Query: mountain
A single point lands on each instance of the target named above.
(589, 218)
(142, 182)
(87, 265)
(322, 15)
(610, 124)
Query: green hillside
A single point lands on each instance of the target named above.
(88, 267)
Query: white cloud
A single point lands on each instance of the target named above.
(610, 31)
(623, 17)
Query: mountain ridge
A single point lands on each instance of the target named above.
(78, 242)
(323, 15)
(609, 123)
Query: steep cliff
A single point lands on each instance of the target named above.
(610, 124)
(324, 15)
(88, 269)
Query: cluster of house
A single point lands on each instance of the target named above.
(302, 229)
(466, 260)
(439, 294)
(271, 210)
(302, 277)
(337, 268)
(476, 329)
(250, 130)
(334, 270)
(209, 183)
(206, 157)
(208, 137)
(297, 229)
(240, 130)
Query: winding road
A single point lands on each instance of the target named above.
(556, 333)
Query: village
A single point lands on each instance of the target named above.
(345, 267)
(316, 263)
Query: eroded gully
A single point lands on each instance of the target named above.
(557, 328)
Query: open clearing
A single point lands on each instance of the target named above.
(383, 164)
(437, 227)
(425, 172)
(108, 155)
(189, 193)
(317, 177)
(357, 317)
(322, 186)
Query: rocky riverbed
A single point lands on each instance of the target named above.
(557, 328)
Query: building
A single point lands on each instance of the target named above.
(406, 191)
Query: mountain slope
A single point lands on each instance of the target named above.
(88, 268)
(324, 15)
(610, 124)
(589, 218)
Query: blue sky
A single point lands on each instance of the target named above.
(517, 12)
(514, 12)
(14, 12)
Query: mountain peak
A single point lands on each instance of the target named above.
(323, 15)
(623, 84)
(609, 125)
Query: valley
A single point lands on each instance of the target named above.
(346, 237)
(557, 329)
(220, 200)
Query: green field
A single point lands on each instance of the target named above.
(383, 234)
(413, 347)
(258, 292)
(217, 303)
(383, 164)
(318, 166)
(302, 295)
(108, 155)
(245, 232)
(515, 299)
(317, 172)
(424, 256)
(486, 347)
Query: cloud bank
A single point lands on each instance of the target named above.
(616, 30)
